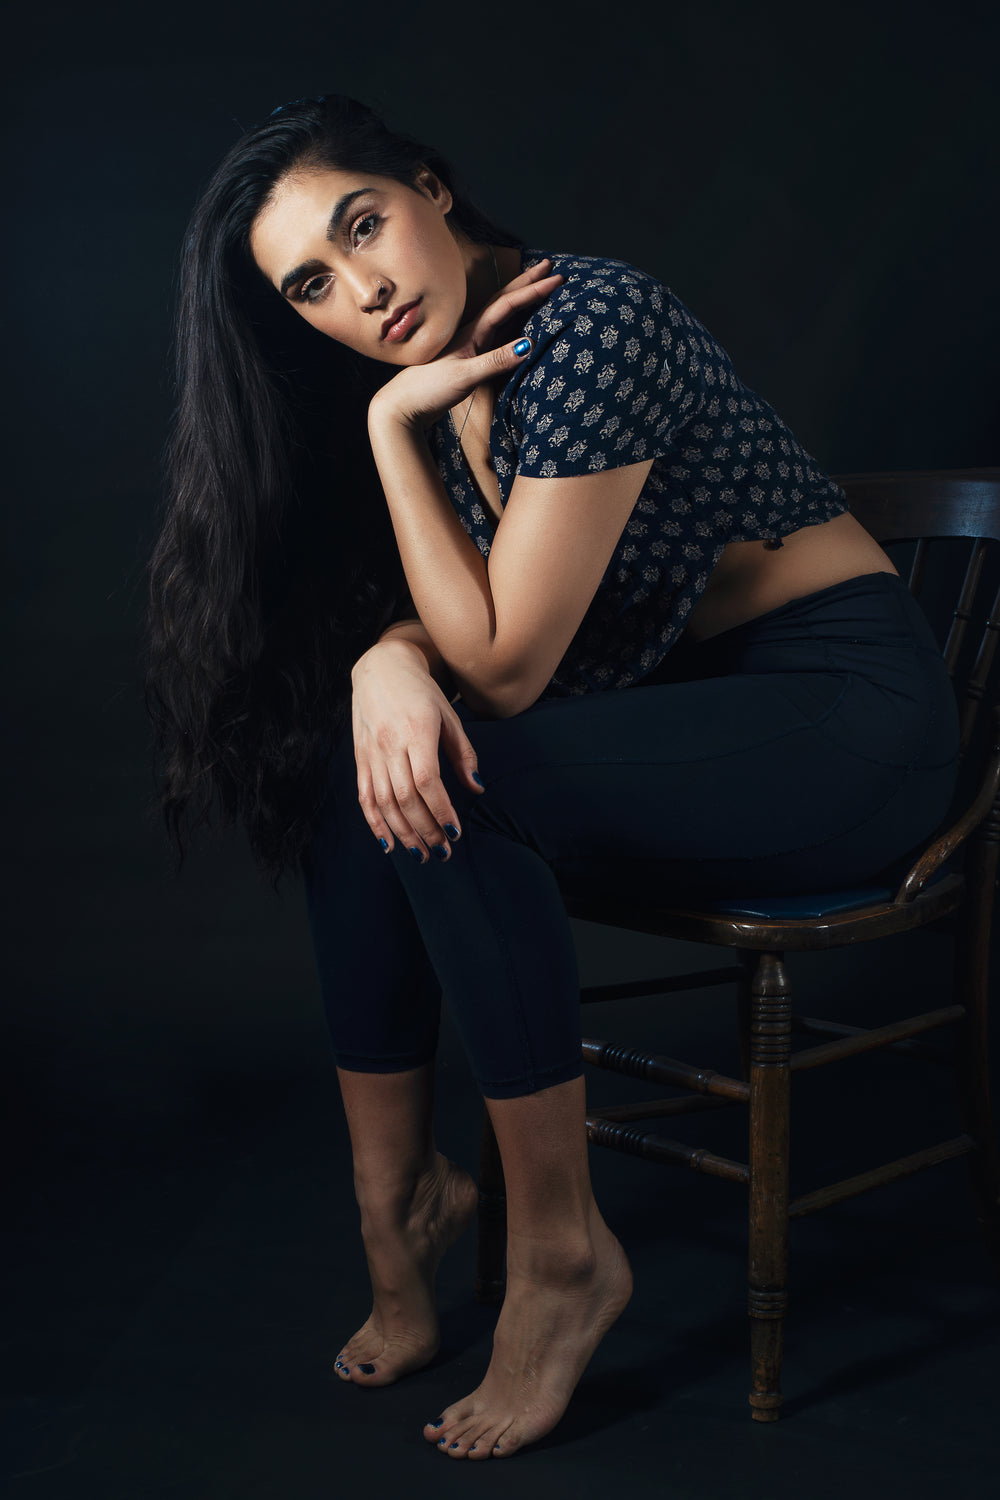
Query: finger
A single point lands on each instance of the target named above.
(407, 839)
(513, 300)
(540, 269)
(504, 357)
(372, 811)
(423, 801)
(459, 749)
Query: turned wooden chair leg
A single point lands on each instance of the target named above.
(770, 1075)
(492, 1225)
(972, 944)
(744, 987)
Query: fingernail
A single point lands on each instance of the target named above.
(521, 347)
(367, 1369)
(417, 855)
(439, 851)
(385, 844)
(452, 831)
(477, 779)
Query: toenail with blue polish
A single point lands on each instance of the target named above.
(440, 852)
(452, 1445)
(442, 1442)
(367, 1369)
(451, 831)
(438, 1423)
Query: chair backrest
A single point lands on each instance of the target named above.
(927, 506)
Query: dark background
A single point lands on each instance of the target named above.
(820, 188)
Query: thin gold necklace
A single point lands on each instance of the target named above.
(472, 398)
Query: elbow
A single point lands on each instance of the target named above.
(499, 698)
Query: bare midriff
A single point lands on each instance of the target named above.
(750, 579)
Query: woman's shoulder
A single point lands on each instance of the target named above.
(597, 292)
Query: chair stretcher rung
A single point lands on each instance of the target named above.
(903, 1166)
(664, 985)
(651, 1067)
(657, 1148)
(810, 1026)
(880, 1036)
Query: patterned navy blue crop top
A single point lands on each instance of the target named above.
(620, 372)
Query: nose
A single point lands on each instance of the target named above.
(374, 293)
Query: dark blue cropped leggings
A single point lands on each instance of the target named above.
(806, 750)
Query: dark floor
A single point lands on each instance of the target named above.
(186, 1260)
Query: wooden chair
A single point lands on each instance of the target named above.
(950, 886)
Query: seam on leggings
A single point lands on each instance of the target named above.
(620, 760)
(561, 1072)
(394, 1062)
(907, 772)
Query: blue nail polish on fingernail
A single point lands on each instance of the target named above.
(522, 346)
(417, 855)
(477, 779)
(385, 844)
(439, 851)
(367, 1369)
(452, 831)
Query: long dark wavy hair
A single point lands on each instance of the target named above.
(276, 566)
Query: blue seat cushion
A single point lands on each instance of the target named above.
(811, 903)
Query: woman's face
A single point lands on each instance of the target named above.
(367, 260)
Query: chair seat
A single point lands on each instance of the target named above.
(812, 904)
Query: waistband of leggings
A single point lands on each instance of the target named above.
(874, 611)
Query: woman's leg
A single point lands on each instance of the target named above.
(414, 1203)
(567, 1280)
(766, 775)
(382, 1003)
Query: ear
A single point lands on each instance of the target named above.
(433, 188)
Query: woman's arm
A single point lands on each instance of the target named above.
(416, 634)
(503, 626)
(402, 720)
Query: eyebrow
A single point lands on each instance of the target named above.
(340, 209)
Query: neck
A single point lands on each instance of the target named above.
(481, 275)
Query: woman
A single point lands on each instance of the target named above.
(635, 631)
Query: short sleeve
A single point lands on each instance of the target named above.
(615, 372)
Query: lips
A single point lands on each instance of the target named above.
(401, 322)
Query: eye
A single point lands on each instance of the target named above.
(315, 289)
(364, 228)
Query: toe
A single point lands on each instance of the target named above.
(460, 1440)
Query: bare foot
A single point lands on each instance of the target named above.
(404, 1243)
(559, 1306)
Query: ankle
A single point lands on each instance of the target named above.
(562, 1258)
(394, 1193)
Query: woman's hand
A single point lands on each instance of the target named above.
(401, 721)
(420, 394)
